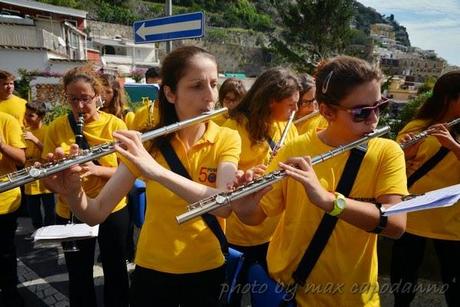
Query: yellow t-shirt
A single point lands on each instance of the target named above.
(441, 223)
(236, 231)
(33, 154)
(129, 118)
(16, 107)
(146, 117)
(312, 123)
(11, 134)
(221, 119)
(165, 245)
(349, 260)
(60, 134)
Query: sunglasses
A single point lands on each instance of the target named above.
(360, 114)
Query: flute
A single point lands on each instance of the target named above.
(306, 117)
(32, 173)
(282, 139)
(224, 198)
(422, 135)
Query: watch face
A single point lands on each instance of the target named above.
(341, 203)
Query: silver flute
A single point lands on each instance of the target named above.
(224, 198)
(306, 117)
(32, 173)
(422, 135)
(282, 138)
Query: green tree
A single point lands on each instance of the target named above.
(311, 30)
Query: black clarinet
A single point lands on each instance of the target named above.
(71, 246)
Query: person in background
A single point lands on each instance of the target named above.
(260, 119)
(10, 103)
(439, 225)
(11, 154)
(348, 92)
(114, 99)
(82, 89)
(176, 265)
(307, 105)
(231, 92)
(35, 193)
(147, 116)
(152, 76)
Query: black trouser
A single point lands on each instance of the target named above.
(407, 256)
(153, 288)
(34, 203)
(252, 255)
(8, 264)
(112, 243)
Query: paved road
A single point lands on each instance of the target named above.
(43, 278)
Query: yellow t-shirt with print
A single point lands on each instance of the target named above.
(236, 231)
(146, 117)
(15, 106)
(11, 134)
(33, 154)
(97, 132)
(348, 263)
(441, 223)
(163, 244)
(312, 124)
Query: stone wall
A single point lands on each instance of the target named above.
(236, 50)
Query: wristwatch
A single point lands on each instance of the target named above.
(340, 203)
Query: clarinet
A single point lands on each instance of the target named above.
(29, 174)
(425, 133)
(79, 135)
(222, 199)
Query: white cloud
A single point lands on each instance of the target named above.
(414, 6)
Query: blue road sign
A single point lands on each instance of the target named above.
(169, 28)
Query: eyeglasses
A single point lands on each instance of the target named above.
(360, 114)
(306, 102)
(85, 99)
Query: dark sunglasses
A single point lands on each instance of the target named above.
(360, 114)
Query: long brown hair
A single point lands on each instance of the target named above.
(273, 85)
(445, 91)
(118, 103)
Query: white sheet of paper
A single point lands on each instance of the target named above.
(68, 231)
(444, 197)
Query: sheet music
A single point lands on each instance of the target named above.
(444, 197)
(66, 232)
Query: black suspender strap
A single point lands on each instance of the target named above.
(427, 166)
(328, 222)
(177, 167)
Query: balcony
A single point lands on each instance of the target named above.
(31, 37)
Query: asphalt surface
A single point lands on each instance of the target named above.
(43, 277)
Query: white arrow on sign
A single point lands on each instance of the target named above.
(144, 31)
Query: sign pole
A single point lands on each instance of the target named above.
(168, 12)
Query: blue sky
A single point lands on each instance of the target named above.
(430, 24)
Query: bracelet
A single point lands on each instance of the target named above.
(383, 221)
